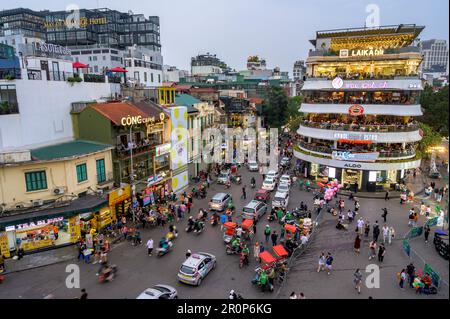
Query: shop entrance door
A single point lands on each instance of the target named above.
(351, 179)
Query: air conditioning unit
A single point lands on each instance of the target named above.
(59, 190)
(38, 202)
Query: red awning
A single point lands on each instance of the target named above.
(267, 258)
(118, 69)
(280, 251)
(79, 65)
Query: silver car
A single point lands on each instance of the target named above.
(196, 267)
(219, 201)
(159, 292)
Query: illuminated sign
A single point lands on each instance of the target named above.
(355, 142)
(366, 85)
(337, 83)
(51, 48)
(355, 136)
(356, 157)
(34, 224)
(133, 120)
(343, 53)
(367, 52)
(82, 23)
(355, 110)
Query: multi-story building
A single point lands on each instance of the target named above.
(173, 74)
(144, 66)
(361, 98)
(207, 64)
(435, 57)
(299, 70)
(100, 59)
(255, 63)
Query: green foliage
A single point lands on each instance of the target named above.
(436, 108)
(275, 107)
(294, 105)
(430, 138)
(74, 79)
(4, 106)
(9, 77)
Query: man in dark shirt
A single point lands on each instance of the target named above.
(376, 231)
(84, 294)
(411, 271)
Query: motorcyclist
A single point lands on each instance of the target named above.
(245, 253)
(253, 182)
(191, 223)
(173, 229)
(236, 244)
(197, 225)
(233, 295)
(263, 280)
(163, 243)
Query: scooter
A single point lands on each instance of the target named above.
(243, 260)
(230, 250)
(164, 250)
(108, 275)
(253, 185)
(200, 229)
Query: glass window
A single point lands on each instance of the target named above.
(81, 173)
(101, 175)
(36, 181)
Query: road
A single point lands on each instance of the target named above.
(137, 271)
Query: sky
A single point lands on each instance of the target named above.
(277, 30)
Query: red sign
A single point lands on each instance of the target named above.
(355, 110)
(355, 141)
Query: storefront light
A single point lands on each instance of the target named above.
(372, 176)
(331, 172)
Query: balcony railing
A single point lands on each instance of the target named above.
(123, 153)
(363, 127)
(97, 78)
(7, 107)
(114, 79)
(59, 76)
(327, 150)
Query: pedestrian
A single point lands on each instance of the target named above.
(84, 294)
(254, 228)
(244, 193)
(267, 233)
(357, 244)
(376, 231)
(411, 271)
(256, 251)
(386, 196)
(274, 238)
(360, 224)
(261, 247)
(329, 263)
(402, 278)
(150, 246)
(357, 280)
(391, 234)
(223, 220)
(357, 205)
(322, 260)
(366, 228)
(188, 253)
(293, 295)
(350, 216)
(385, 231)
(124, 231)
(381, 253)
(426, 232)
(302, 296)
(384, 215)
(372, 249)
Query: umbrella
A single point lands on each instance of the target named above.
(79, 65)
(120, 70)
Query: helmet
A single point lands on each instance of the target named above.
(231, 292)
(189, 251)
(190, 217)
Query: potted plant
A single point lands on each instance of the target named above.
(74, 79)
(4, 107)
(9, 77)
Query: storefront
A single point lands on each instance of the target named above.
(48, 229)
(119, 201)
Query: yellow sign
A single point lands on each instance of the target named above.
(4, 247)
(119, 195)
(82, 23)
(33, 245)
(74, 229)
(133, 120)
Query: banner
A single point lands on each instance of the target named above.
(434, 275)
(416, 232)
(406, 247)
(4, 247)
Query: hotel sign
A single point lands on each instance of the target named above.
(356, 157)
(51, 48)
(82, 23)
(355, 136)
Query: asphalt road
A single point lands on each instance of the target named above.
(137, 271)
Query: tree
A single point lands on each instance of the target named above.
(429, 139)
(436, 108)
(293, 106)
(275, 107)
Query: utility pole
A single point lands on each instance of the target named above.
(133, 193)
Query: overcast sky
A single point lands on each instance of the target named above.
(277, 30)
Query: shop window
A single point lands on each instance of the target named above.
(81, 173)
(36, 181)
(101, 174)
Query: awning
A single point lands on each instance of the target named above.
(118, 69)
(79, 65)
(369, 109)
(80, 205)
(267, 258)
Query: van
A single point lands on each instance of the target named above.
(219, 201)
(254, 210)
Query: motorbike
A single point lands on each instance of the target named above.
(189, 228)
(200, 228)
(227, 185)
(108, 274)
(271, 217)
(230, 250)
(237, 179)
(253, 185)
(243, 260)
(161, 251)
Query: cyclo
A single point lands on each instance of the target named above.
(247, 231)
(229, 231)
(267, 267)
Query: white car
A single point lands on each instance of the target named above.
(272, 174)
(159, 292)
(253, 166)
(283, 188)
(269, 184)
(285, 179)
(196, 267)
(281, 199)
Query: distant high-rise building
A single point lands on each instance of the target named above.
(435, 53)
(299, 70)
(207, 64)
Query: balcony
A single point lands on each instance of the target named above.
(96, 78)
(414, 126)
(138, 150)
(369, 109)
(375, 136)
(384, 154)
